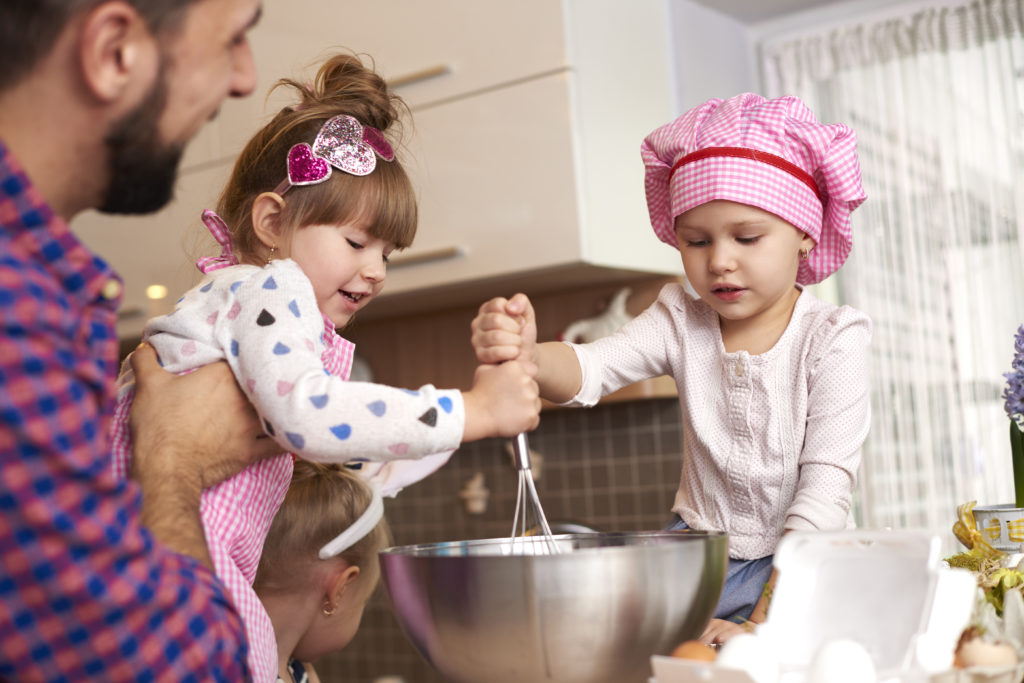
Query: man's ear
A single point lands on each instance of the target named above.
(118, 54)
(266, 219)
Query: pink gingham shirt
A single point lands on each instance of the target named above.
(289, 360)
(771, 442)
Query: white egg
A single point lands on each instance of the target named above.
(841, 661)
(752, 654)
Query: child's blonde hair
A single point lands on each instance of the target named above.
(343, 85)
(322, 501)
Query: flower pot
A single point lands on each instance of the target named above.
(1002, 526)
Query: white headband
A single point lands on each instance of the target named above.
(362, 526)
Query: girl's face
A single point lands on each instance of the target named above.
(741, 260)
(345, 264)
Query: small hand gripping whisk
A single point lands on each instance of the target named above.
(528, 490)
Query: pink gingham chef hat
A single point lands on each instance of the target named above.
(772, 154)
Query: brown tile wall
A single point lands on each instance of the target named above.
(613, 468)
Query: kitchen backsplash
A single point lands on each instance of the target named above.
(613, 467)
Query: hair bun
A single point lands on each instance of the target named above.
(344, 84)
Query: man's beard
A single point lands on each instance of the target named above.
(142, 170)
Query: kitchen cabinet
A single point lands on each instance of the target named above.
(536, 183)
(433, 51)
(523, 144)
(493, 172)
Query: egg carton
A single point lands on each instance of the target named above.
(674, 670)
(981, 674)
(848, 607)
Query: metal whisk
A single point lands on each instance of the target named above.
(527, 498)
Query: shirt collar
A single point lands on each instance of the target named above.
(29, 223)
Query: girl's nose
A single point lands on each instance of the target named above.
(375, 269)
(722, 260)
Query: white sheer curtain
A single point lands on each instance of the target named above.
(936, 97)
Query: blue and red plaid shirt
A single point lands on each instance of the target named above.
(85, 592)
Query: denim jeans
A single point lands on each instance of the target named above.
(744, 582)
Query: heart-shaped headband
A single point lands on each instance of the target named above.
(343, 143)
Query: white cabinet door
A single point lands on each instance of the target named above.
(468, 46)
(481, 42)
(495, 177)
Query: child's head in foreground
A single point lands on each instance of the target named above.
(320, 556)
(762, 179)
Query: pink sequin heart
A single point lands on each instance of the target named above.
(374, 138)
(236, 308)
(340, 142)
(284, 388)
(305, 167)
(188, 348)
(399, 448)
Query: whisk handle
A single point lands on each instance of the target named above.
(521, 451)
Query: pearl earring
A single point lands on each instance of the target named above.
(272, 255)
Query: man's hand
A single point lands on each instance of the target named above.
(189, 432)
(720, 631)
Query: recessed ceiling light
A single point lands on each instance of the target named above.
(156, 292)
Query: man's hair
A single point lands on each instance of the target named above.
(29, 28)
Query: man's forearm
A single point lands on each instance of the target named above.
(170, 510)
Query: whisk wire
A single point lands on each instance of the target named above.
(527, 498)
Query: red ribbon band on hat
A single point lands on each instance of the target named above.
(756, 155)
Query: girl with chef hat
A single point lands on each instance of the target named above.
(756, 195)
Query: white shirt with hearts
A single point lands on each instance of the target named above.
(265, 323)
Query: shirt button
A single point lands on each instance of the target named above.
(738, 369)
(111, 289)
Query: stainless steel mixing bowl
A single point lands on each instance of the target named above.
(593, 613)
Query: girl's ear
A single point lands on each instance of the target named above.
(342, 580)
(807, 243)
(266, 219)
(339, 582)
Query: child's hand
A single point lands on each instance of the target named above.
(504, 401)
(720, 630)
(505, 329)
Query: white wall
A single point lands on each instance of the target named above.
(713, 54)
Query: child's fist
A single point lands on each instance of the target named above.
(504, 401)
(505, 329)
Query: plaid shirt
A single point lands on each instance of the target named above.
(86, 593)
